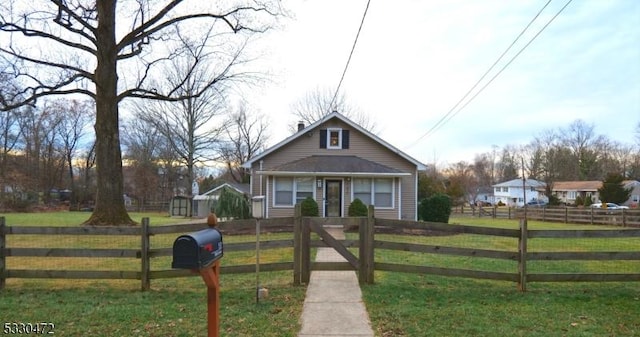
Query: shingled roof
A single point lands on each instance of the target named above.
(338, 165)
(591, 185)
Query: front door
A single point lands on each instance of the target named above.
(333, 198)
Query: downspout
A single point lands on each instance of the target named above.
(415, 197)
(399, 198)
(261, 165)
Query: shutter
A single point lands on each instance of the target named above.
(323, 138)
(345, 139)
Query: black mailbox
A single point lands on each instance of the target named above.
(197, 250)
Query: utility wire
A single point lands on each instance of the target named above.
(344, 72)
(450, 114)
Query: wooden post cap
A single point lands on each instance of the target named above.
(212, 220)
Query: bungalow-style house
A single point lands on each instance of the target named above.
(568, 191)
(204, 202)
(512, 193)
(335, 161)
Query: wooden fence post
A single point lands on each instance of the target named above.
(305, 247)
(144, 255)
(297, 246)
(367, 231)
(3, 259)
(522, 260)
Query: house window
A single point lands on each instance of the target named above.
(571, 195)
(304, 188)
(283, 191)
(362, 190)
(383, 192)
(378, 192)
(505, 189)
(334, 138)
(289, 191)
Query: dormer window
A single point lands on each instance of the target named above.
(334, 138)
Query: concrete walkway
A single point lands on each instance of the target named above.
(333, 305)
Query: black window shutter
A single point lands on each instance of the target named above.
(345, 139)
(323, 138)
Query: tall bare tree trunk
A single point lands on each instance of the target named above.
(109, 207)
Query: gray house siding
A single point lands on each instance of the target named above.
(360, 145)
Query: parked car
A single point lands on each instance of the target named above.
(536, 203)
(610, 205)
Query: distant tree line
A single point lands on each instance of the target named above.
(572, 153)
(47, 155)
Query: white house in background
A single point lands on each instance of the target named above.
(512, 193)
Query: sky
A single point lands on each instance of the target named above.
(414, 60)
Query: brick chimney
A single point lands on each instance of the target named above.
(300, 125)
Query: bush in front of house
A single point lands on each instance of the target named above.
(309, 207)
(358, 208)
(587, 201)
(436, 208)
(231, 205)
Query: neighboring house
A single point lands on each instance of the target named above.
(203, 203)
(634, 200)
(484, 196)
(334, 161)
(511, 193)
(567, 191)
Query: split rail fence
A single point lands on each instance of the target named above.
(371, 244)
(592, 216)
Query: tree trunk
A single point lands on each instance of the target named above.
(109, 208)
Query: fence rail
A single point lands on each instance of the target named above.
(375, 237)
(592, 216)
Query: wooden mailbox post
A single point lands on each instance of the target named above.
(201, 252)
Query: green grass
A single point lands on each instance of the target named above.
(64, 218)
(174, 307)
(422, 305)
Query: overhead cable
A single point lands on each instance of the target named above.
(450, 114)
(344, 72)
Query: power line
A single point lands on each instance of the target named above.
(450, 114)
(344, 72)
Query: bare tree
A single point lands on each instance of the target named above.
(509, 163)
(74, 119)
(86, 176)
(462, 185)
(142, 151)
(246, 135)
(584, 144)
(194, 126)
(90, 52)
(316, 104)
(9, 135)
(482, 169)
